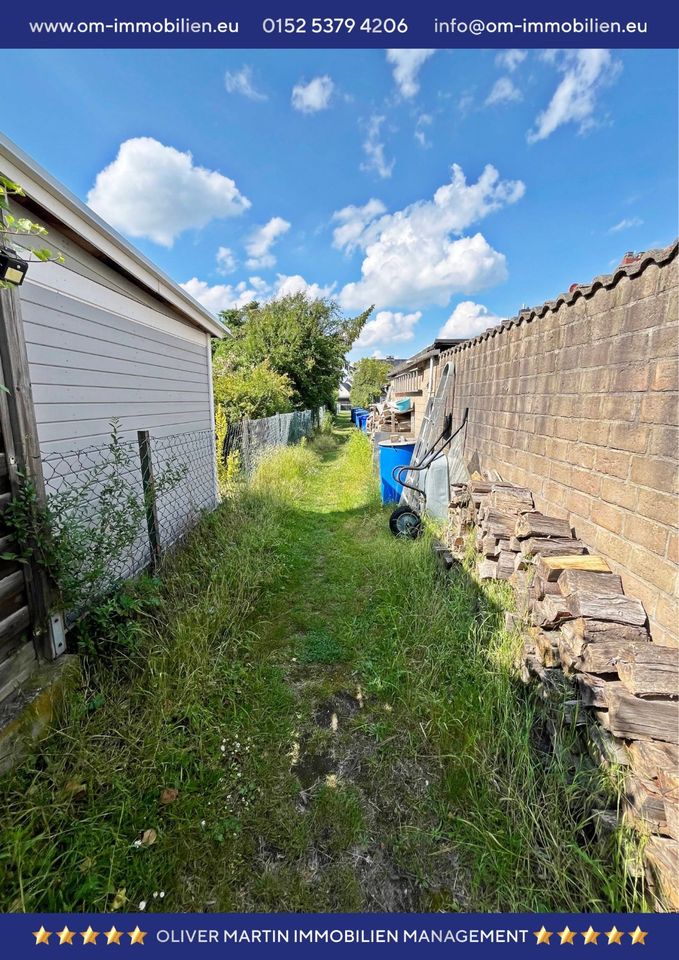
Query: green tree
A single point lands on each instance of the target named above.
(369, 378)
(302, 339)
(251, 392)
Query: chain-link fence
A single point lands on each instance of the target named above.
(250, 439)
(113, 509)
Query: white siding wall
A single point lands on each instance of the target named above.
(96, 354)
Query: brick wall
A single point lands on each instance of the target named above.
(578, 401)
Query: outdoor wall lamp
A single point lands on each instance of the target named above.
(12, 268)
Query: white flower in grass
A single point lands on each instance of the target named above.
(142, 905)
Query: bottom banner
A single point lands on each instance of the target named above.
(256, 935)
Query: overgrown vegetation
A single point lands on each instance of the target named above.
(17, 232)
(284, 354)
(312, 717)
(370, 376)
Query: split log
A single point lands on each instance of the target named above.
(544, 546)
(505, 565)
(597, 658)
(617, 609)
(489, 547)
(547, 648)
(581, 631)
(604, 747)
(649, 758)
(487, 569)
(480, 486)
(551, 567)
(549, 612)
(499, 524)
(540, 588)
(668, 781)
(504, 545)
(662, 857)
(587, 581)
(514, 544)
(649, 669)
(594, 690)
(511, 499)
(644, 806)
(538, 525)
(636, 719)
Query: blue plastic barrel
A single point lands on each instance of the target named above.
(393, 454)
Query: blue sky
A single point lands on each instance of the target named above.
(449, 188)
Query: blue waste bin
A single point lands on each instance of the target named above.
(393, 453)
(356, 413)
(362, 421)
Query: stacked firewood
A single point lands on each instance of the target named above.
(583, 633)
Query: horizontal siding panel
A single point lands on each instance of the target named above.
(63, 412)
(116, 395)
(71, 436)
(43, 300)
(50, 364)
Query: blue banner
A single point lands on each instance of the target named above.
(294, 935)
(329, 23)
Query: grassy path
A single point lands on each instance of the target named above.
(311, 717)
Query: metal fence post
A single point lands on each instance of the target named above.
(149, 488)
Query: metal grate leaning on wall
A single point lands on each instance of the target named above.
(250, 439)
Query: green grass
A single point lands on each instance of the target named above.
(340, 720)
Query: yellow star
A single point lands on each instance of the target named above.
(614, 935)
(42, 936)
(567, 935)
(542, 935)
(66, 936)
(113, 936)
(638, 936)
(90, 936)
(591, 936)
(137, 936)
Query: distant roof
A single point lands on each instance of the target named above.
(432, 350)
(64, 207)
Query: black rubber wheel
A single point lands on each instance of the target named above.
(405, 522)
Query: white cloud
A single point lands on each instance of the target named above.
(373, 148)
(510, 59)
(626, 224)
(411, 258)
(261, 240)
(151, 190)
(407, 64)
(226, 261)
(227, 296)
(504, 91)
(224, 296)
(388, 327)
(286, 285)
(467, 320)
(313, 96)
(585, 73)
(352, 222)
(240, 81)
(423, 121)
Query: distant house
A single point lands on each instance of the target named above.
(107, 336)
(416, 378)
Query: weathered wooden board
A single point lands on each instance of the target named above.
(649, 669)
(546, 546)
(551, 566)
(637, 719)
(587, 581)
(662, 856)
(617, 609)
(539, 525)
